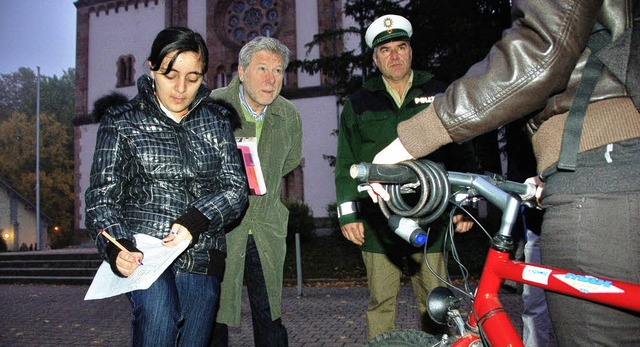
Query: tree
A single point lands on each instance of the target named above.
(19, 91)
(18, 141)
(449, 36)
(346, 70)
(19, 95)
(57, 97)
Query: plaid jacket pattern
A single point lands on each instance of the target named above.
(149, 170)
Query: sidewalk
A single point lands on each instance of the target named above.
(51, 315)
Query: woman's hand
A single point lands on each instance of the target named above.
(177, 234)
(127, 262)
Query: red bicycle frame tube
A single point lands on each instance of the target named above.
(491, 316)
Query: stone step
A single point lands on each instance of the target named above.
(67, 266)
(50, 255)
(48, 272)
(68, 280)
(50, 264)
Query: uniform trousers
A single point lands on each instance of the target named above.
(384, 278)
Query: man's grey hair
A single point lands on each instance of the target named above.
(263, 43)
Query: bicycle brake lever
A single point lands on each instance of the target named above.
(364, 187)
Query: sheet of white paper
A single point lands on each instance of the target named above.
(157, 258)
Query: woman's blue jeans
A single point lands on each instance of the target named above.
(179, 309)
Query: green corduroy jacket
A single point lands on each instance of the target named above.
(280, 152)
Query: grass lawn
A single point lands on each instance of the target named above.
(328, 257)
(336, 259)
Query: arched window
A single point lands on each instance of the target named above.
(125, 72)
(221, 77)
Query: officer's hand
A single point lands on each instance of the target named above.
(354, 232)
(463, 223)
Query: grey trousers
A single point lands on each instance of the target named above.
(598, 234)
(536, 323)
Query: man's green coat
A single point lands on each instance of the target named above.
(280, 151)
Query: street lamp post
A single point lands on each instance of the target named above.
(38, 245)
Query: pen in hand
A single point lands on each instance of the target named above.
(118, 244)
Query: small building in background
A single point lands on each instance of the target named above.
(18, 222)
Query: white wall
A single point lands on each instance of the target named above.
(111, 35)
(86, 140)
(306, 27)
(12, 209)
(319, 120)
(196, 17)
(115, 34)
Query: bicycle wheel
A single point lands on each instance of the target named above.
(403, 338)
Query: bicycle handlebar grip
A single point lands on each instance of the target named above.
(383, 173)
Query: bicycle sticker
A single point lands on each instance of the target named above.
(589, 284)
(536, 274)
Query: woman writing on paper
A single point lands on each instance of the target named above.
(166, 165)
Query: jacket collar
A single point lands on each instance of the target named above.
(146, 91)
(377, 84)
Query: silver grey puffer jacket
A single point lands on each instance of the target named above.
(149, 170)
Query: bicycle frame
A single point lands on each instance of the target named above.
(491, 316)
(495, 323)
(488, 318)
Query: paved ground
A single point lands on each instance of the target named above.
(52, 315)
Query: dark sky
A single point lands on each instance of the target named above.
(37, 33)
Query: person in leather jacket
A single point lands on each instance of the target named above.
(592, 217)
(166, 165)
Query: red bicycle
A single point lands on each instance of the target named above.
(487, 323)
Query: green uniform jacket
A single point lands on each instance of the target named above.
(367, 125)
(280, 151)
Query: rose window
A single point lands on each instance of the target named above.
(246, 19)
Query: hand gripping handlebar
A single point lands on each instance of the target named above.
(434, 184)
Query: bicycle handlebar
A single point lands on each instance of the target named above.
(435, 185)
(382, 173)
(402, 174)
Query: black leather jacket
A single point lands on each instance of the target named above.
(534, 69)
(149, 171)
